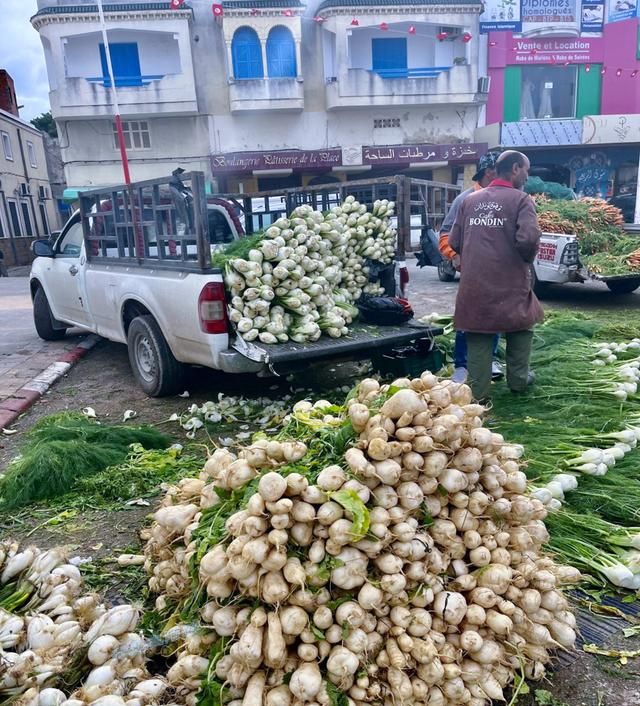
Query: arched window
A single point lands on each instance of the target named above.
(247, 54)
(281, 54)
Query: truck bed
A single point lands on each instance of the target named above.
(361, 342)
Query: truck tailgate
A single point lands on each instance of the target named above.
(361, 340)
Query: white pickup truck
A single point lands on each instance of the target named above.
(558, 262)
(127, 268)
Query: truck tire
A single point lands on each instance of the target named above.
(445, 273)
(540, 289)
(43, 318)
(623, 286)
(153, 364)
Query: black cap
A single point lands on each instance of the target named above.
(179, 170)
(487, 161)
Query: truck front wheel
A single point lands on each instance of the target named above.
(623, 286)
(43, 318)
(153, 364)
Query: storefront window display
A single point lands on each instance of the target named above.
(548, 92)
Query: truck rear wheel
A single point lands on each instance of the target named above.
(623, 286)
(446, 271)
(43, 318)
(153, 364)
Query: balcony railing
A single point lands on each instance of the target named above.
(144, 95)
(398, 87)
(266, 94)
(422, 72)
(126, 80)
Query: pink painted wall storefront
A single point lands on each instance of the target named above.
(564, 77)
(545, 89)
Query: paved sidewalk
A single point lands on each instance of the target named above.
(29, 365)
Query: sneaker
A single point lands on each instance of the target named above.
(460, 375)
(531, 379)
(497, 371)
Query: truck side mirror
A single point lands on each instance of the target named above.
(42, 248)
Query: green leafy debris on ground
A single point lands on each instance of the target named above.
(140, 474)
(128, 583)
(63, 448)
(546, 698)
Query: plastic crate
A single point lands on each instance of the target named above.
(409, 361)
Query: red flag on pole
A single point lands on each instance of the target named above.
(176, 4)
(217, 10)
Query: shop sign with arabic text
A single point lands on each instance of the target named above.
(423, 154)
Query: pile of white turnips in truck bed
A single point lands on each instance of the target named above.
(307, 270)
(407, 572)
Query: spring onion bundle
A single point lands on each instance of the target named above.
(301, 278)
(597, 546)
(616, 373)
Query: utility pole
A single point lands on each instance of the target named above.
(114, 94)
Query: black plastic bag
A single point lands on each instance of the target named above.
(384, 311)
(386, 274)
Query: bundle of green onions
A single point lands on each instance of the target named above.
(581, 429)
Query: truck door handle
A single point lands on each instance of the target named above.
(73, 270)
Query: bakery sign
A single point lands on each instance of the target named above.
(296, 160)
(422, 154)
(576, 50)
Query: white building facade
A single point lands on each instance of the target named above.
(27, 209)
(262, 94)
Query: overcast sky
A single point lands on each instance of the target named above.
(22, 56)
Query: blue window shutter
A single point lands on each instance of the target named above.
(246, 51)
(389, 54)
(281, 54)
(126, 64)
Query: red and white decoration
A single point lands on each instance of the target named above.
(176, 4)
(218, 11)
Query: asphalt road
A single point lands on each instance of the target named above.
(427, 294)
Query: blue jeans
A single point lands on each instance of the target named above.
(460, 349)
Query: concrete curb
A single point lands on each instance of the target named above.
(24, 398)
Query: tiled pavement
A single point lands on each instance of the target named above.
(23, 355)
